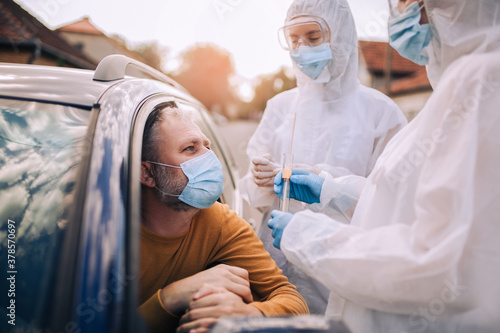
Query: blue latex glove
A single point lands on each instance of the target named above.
(304, 186)
(279, 220)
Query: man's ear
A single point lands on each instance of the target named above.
(147, 175)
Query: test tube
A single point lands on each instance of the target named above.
(286, 174)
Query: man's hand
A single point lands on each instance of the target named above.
(264, 169)
(177, 296)
(211, 303)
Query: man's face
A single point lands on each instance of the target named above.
(181, 140)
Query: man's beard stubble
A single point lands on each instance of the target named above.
(169, 187)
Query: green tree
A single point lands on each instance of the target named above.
(153, 53)
(205, 71)
(267, 86)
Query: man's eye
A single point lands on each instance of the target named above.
(190, 148)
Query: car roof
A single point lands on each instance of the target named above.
(53, 84)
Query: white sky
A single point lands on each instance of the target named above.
(246, 28)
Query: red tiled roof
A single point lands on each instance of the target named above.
(374, 54)
(17, 26)
(83, 26)
(12, 27)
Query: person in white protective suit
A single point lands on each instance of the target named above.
(341, 126)
(422, 250)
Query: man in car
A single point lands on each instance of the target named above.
(199, 260)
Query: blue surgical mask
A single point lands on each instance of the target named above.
(312, 59)
(205, 180)
(409, 37)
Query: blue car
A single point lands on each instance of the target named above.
(70, 151)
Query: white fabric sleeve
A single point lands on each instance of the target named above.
(391, 122)
(334, 171)
(258, 197)
(436, 228)
(339, 196)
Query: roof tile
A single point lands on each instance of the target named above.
(83, 26)
(375, 54)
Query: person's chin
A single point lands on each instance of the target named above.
(179, 206)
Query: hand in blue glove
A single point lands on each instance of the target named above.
(279, 220)
(304, 186)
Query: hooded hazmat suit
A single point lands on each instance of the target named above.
(422, 252)
(341, 128)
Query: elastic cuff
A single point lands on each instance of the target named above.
(159, 301)
(158, 319)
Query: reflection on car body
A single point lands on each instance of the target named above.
(70, 145)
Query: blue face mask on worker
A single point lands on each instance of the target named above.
(205, 180)
(408, 36)
(311, 60)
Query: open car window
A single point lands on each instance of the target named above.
(202, 120)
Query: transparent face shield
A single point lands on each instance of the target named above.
(397, 7)
(304, 30)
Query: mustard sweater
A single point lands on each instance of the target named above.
(216, 235)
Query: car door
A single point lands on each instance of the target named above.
(105, 283)
(42, 145)
(97, 275)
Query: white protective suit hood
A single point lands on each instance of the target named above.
(340, 75)
(460, 28)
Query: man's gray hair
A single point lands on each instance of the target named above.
(151, 134)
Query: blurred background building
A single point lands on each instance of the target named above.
(204, 69)
(24, 39)
(382, 68)
(92, 42)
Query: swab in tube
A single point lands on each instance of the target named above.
(287, 173)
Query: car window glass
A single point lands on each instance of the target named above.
(41, 146)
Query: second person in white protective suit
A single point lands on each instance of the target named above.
(341, 126)
(422, 251)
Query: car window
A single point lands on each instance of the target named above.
(202, 119)
(41, 145)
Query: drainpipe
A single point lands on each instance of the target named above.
(388, 70)
(37, 52)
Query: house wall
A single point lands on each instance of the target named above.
(95, 47)
(379, 82)
(364, 76)
(12, 56)
(412, 103)
(23, 56)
